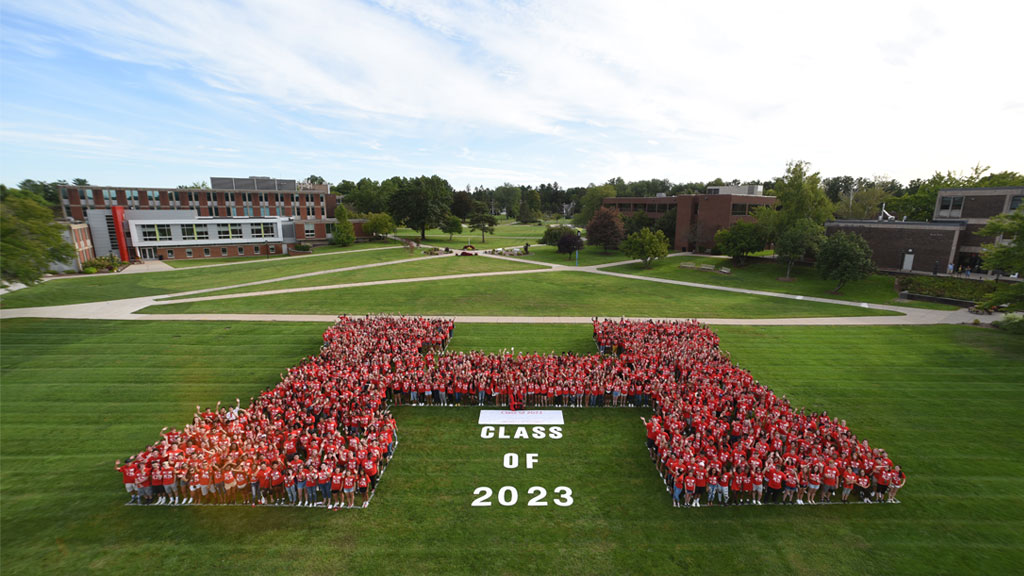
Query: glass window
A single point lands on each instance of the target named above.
(195, 232)
(310, 211)
(262, 230)
(188, 253)
(155, 232)
(223, 251)
(1015, 202)
(272, 249)
(739, 209)
(206, 251)
(255, 249)
(241, 251)
(170, 254)
(229, 230)
(951, 206)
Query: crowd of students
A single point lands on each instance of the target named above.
(325, 433)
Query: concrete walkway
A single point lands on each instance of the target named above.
(127, 309)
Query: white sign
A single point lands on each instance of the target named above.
(521, 417)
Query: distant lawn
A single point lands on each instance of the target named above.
(506, 234)
(943, 400)
(194, 262)
(116, 286)
(543, 294)
(588, 256)
(433, 266)
(878, 289)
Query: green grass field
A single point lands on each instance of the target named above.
(543, 294)
(116, 286)
(199, 262)
(944, 401)
(506, 233)
(589, 256)
(446, 266)
(764, 275)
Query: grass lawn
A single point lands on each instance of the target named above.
(543, 294)
(943, 400)
(878, 289)
(589, 256)
(506, 233)
(426, 267)
(116, 286)
(196, 262)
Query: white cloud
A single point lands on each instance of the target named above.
(648, 88)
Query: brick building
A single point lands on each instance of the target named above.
(698, 216)
(950, 238)
(236, 216)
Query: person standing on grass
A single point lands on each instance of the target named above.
(896, 481)
(849, 482)
(349, 488)
(363, 487)
(128, 471)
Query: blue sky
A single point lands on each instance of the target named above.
(167, 93)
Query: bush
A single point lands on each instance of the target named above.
(303, 248)
(110, 263)
(946, 287)
(554, 233)
(89, 270)
(1012, 323)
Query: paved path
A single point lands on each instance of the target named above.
(127, 309)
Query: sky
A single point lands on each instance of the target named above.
(156, 93)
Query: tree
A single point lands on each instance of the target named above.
(1006, 257)
(526, 214)
(315, 180)
(344, 232)
(605, 229)
(739, 240)
(422, 203)
(483, 222)
(197, 185)
(798, 240)
(48, 192)
(554, 233)
(343, 189)
(368, 196)
(646, 246)
(452, 225)
(508, 198)
(462, 204)
(801, 196)
(591, 201)
(30, 240)
(637, 222)
(379, 224)
(80, 182)
(862, 203)
(845, 258)
(569, 242)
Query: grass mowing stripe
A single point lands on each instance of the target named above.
(545, 294)
(963, 509)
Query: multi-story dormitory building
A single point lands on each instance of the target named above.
(235, 217)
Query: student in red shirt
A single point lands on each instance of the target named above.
(128, 471)
(337, 498)
(690, 482)
(363, 487)
(896, 481)
(349, 487)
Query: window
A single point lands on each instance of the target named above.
(188, 253)
(248, 211)
(262, 230)
(295, 198)
(255, 249)
(155, 232)
(241, 251)
(223, 251)
(739, 209)
(170, 254)
(230, 197)
(131, 198)
(174, 198)
(206, 252)
(272, 249)
(265, 212)
(193, 198)
(229, 230)
(195, 232)
(1015, 202)
(310, 211)
(329, 229)
(153, 197)
(109, 197)
(951, 206)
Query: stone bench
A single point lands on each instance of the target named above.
(707, 267)
(725, 270)
(689, 265)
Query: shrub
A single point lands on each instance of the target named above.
(1012, 323)
(554, 233)
(946, 287)
(110, 263)
(89, 270)
(303, 248)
